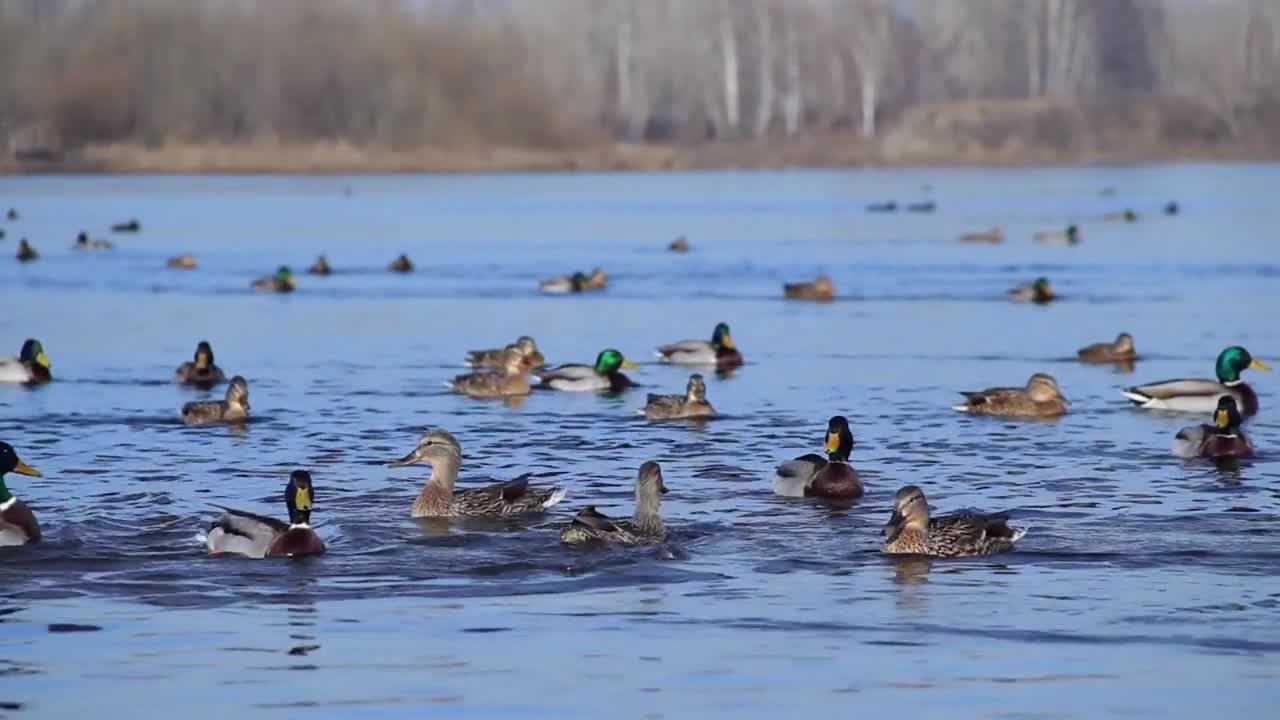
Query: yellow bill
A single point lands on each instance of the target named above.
(833, 442)
(1259, 365)
(42, 359)
(1221, 418)
(24, 469)
(630, 365)
(302, 498)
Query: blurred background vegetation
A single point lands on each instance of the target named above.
(737, 81)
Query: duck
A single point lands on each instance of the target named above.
(1222, 439)
(601, 377)
(12, 214)
(574, 283)
(679, 245)
(26, 253)
(401, 264)
(84, 243)
(719, 351)
(645, 526)
(1126, 215)
(994, 235)
(233, 408)
(1171, 208)
(131, 226)
(1121, 350)
(927, 206)
(1038, 292)
(281, 282)
(496, 357)
(1069, 236)
(597, 280)
(813, 475)
(1201, 396)
(441, 450)
(820, 289)
(1041, 398)
(505, 382)
(910, 530)
(255, 536)
(31, 367)
(693, 404)
(890, 206)
(201, 370)
(18, 524)
(320, 266)
(182, 262)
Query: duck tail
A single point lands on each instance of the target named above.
(1135, 396)
(557, 494)
(1017, 534)
(961, 408)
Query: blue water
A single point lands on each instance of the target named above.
(1145, 586)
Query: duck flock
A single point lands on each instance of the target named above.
(519, 368)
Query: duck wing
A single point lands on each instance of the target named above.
(1175, 388)
(973, 527)
(589, 517)
(1190, 440)
(13, 370)
(244, 533)
(567, 372)
(792, 478)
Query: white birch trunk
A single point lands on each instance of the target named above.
(729, 57)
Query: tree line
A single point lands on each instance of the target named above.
(557, 73)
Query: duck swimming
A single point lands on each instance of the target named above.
(505, 382)
(320, 266)
(18, 524)
(1222, 439)
(574, 283)
(693, 404)
(1041, 398)
(132, 226)
(84, 243)
(281, 282)
(994, 235)
(1069, 236)
(440, 450)
(1121, 350)
(1038, 292)
(31, 366)
(819, 289)
(601, 377)
(233, 408)
(719, 352)
(813, 475)
(1126, 215)
(679, 245)
(26, 253)
(401, 264)
(645, 526)
(890, 206)
(200, 371)
(182, 262)
(910, 530)
(497, 357)
(597, 280)
(1201, 396)
(244, 533)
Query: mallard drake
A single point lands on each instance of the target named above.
(890, 206)
(1038, 292)
(574, 283)
(182, 262)
(1222, 439)
(994, 235)
(506, 382)
(693, 404)
(320, 266)
(927, 206)
(200, 371)
(496, 358)
(645, 526)
(18, 525)
(401, 264)
(26, 253)
(1201, 396)
(244, 533)
(1121, 350)
(603, 376)
(813, 475)
(233, 408)
(719, 352)
(1171, 208)
(1126, 215)
(679, 245)
(281, 282)
(819, 289)
(910, 530)
(1069, 236)
(132, 226)
(31, 366)
(440, 450)
(1040, 398)
(84, 243)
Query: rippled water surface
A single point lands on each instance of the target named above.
(1146, 586)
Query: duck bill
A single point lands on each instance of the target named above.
(630, 365)
(726, 342)
(833, 442)
(43, 360)
(1259, 365)
(409, 459)
(24, 469)
(1222, 419)
(893, 527)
